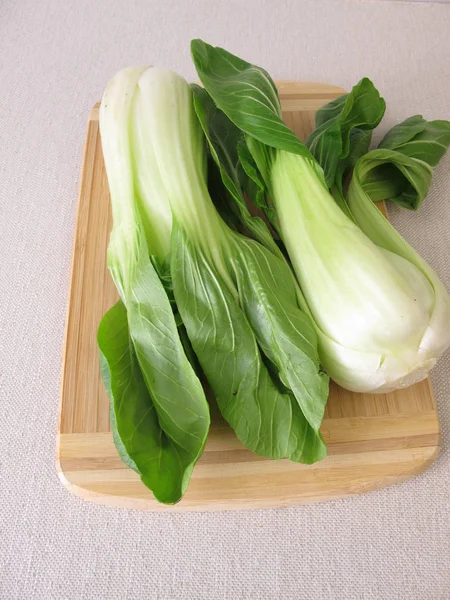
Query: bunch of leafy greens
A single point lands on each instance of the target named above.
(204, 286)
(159, 413)
(188, 281)
(380, 312)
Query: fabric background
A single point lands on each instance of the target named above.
(56, 58)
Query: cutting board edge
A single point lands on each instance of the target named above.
(398, 475)
(81, 183)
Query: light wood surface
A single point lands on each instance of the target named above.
(373, 440)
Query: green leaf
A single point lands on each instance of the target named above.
(176, 390)
(284, 333)
(403, 132)
(257, 184)
(160, 412)
(256, 189)
(246, 94)
(417, 138)
(359, 145)
(120, 447)
(325, 143)
(401, 168)
(393, 171)
(222, 199)
(252, 394)
(226, 147)
(222, 137)
(160, 416)
(390, 175)
(266, 286)
(343, 129)
(248, 97)
(331, 111)
(163, 271)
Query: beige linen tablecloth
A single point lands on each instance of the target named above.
(55, 59)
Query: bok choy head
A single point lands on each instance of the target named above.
(159, 413)
(381, 315)
(237, 299)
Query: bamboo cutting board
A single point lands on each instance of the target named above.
(373, 440)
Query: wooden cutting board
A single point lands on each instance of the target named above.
(373, 440)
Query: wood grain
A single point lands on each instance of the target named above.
(373, 440)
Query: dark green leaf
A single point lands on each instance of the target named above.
(222, 199)
(246, 94)
(403, 132)
(267, 294)
(163, 271)
(222, 137)
(120, 447)
(161, 413)
(330, 111)
(284, 333)
(424, 140)
(398, 170)
(252, 397)
(359, 145)
(225, 144)
(344, 129)
(256, 188)
(325, 143)
(390, 175)
(401, 168)
(176, 390)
